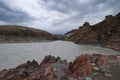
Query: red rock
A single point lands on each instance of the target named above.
(101, 60)
(10, 75)
(14, 77)
(49, 72)
(81, 66)
(78, 69)
(82, 70)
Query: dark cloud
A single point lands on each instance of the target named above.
(12, 16)
(62, 5)
(68, 6)
(92, 8)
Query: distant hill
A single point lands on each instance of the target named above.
(21, 33)
(106, 32)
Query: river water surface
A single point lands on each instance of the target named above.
(13, 54)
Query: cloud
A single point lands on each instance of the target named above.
(10, 15)
(56, 16)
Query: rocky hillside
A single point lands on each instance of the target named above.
(20, 33)
(105, 32)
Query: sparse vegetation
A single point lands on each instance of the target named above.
(12, 33)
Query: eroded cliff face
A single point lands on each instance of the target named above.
(104, 33)
(84, 34)
(109, 29)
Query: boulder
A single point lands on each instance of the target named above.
(48, 59)
(101, 61)
(81, 66)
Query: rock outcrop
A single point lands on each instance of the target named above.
(84, 67)
(86, 34)
(105, 33)
(81, 66)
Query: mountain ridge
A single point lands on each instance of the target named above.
(18, 33)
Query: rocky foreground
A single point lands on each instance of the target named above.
(84, 67)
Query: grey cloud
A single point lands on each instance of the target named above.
(12, 16)
(63, 6)
(67, 6)
(86, 9)
(73, 13)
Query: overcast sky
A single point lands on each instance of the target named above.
(56, 16)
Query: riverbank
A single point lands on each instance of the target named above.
(114, 46)
(14, 39)
(84, 67)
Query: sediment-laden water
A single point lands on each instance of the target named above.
(13, 54)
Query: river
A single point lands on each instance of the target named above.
(13, 54)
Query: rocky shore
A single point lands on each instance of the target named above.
(84, 67)
(113, 46)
